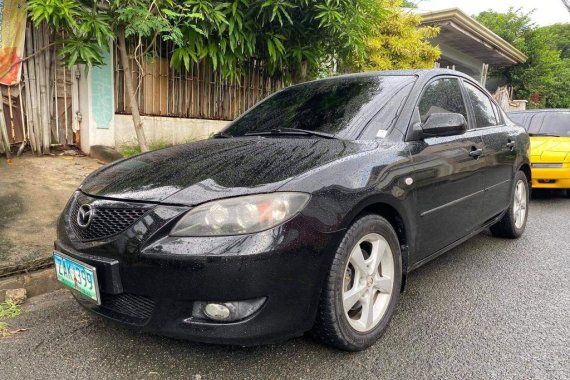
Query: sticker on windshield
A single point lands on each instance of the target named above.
(382, 133)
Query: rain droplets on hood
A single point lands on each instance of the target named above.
(255, 163)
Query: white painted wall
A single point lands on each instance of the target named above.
(158, 129)
(473, 65)
(171, 130)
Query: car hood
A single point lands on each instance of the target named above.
(216, 168)
(550, 149)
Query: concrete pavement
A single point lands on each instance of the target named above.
(33, 192)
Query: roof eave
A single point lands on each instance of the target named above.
(477, 29)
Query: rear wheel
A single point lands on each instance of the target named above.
(363, 286)
(513, 223)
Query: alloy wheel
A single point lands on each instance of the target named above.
(520, 204)
(368, 282)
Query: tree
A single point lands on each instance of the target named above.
(544, 78)
(290, 36)
(410, 4)
(297, 39)
(561, 40)
(85, 29)
(399, 42)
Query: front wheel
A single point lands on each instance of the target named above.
(513, 223)
(363, 286)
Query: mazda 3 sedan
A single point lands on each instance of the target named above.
(304, 214)
(549, 132)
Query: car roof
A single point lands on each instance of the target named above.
(409, 72)
(423, 75)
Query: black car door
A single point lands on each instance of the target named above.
(448, 174)
(499, 153)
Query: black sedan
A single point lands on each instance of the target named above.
(305, 214)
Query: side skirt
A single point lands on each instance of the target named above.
(456, 243)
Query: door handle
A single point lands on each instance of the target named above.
(476, 153)
(511, 144)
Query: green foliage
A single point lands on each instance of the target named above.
(513, 26)
(88, 30)
(399, 42)
(4, 330)
(297, 38)
(286, 35)
(129, 150)
(410, 3)
(90, 25)
(544, 79)
(561, 38)
(9, 309)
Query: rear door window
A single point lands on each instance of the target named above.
(497, 113)
(482, 107)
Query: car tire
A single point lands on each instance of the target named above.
(359, 327)
(513, 223)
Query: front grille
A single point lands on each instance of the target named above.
(106, 221)
(130, 305)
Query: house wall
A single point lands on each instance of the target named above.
(463, 62)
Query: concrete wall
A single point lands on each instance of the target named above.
(169, 130)
(517, 105)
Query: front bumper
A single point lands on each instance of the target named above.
(154, 289)
(551, 178)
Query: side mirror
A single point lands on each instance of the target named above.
(444, 124)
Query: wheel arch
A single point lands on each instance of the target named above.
(395, 217)
(525, 168)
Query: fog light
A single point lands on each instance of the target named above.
(216, 311)
(225, 311)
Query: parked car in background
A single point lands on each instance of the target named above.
(549, 131)
(306, 213)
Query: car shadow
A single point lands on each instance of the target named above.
(546, 194)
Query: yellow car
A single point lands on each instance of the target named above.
(549, 131)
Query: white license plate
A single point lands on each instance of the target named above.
(77, 275)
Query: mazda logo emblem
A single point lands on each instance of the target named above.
(85, 216)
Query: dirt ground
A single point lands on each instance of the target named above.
(33, 191)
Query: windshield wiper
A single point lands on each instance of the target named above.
(543, 134)
(222, 135)
(291, 131)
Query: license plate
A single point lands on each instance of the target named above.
(77, 275)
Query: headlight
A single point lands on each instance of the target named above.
(241, 215)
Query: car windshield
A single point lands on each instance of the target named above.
(545, 123)
(343, 107)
